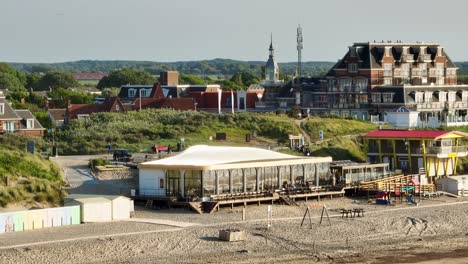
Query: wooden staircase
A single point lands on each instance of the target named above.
(392, 183)
(287, 200)
(149, 204)
(204, 207)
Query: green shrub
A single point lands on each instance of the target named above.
(98, 162)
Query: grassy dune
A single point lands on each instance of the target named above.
(28, 179)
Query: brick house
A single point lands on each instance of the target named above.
(78, 111)
(18, 121)
(375, 77)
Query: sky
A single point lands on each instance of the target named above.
(182, 30)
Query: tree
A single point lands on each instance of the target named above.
(244, 79)
(32, 80)
(54, 80)
(190, 79)
(125, 76)
(60, 97)
(109, 92)
(10, 82)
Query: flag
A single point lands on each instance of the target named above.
(232, 101)
(219, 100)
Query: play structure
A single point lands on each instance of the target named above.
(324, 212)
(410, 199)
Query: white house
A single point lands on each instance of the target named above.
(402, 118)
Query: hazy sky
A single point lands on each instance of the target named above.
(174, 30)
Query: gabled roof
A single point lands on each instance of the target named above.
(182, 104)
(74, 110)
(415, 134)
(8, 111)
(25, 114)
(204, 157)
(57, 114)
(369, 54)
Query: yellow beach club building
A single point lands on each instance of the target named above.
(436, 152)
(203, 171)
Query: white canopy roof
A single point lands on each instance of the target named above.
(204, 157)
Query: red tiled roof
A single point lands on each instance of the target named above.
(182, 104)
(86, 109)
(432, 134)
(89, 75)
(58, 114)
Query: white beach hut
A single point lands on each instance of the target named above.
(93, 209)
(457, 185)
(121, 207)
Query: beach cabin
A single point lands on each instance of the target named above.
(457, 185)
(93, 209)
(99, 208)
(206, 171)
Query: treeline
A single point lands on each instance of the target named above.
(221, 67)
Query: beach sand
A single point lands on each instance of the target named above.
(435, 231)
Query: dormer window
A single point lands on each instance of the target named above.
(2, 108)
(131, 92)
(30, 123)
(352, 67)
(352, 52)
(143, 93)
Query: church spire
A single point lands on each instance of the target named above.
(271, 67)
(271, 45)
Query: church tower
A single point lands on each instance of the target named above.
(271, 67)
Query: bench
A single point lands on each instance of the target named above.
(347, 212)
(359, 212)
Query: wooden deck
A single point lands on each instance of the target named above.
(285, 197)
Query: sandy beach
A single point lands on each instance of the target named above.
(428, 233)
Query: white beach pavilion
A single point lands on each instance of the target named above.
(202, 171)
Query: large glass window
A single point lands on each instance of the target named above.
(173, 183)
(345, 83)
(387, 97)
(251, 179)
(237, 181)
(361, 84)
(223, 179)
(323, 171)
(209, 183)
(298, 174)
(192, 183)
(269, 178)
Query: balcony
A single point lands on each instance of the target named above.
(424, 58)
(401, 73)
(443, 152)
(433, 72)
(407, 58)
(415, 73)
(429, 106)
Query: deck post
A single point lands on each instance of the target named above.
(244, 181)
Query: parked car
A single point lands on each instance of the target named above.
(123, 155)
